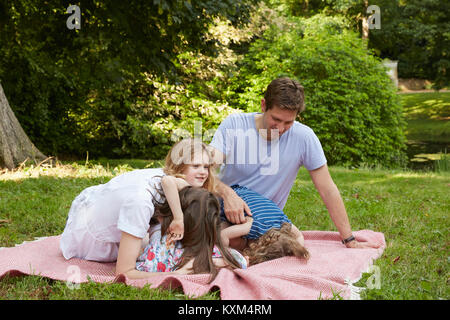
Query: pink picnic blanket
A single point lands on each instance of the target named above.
(332, 268)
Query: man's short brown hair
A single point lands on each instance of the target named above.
(285, 93)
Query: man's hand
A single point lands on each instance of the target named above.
(235, 207)
(361, 245)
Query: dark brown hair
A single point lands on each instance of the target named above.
(285, 93)
(201, 229)
(274, 244)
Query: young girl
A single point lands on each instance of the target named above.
(201, 249)
(108, 222)
(269, 232)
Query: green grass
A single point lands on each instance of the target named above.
(410, 208)
(39, 288)
(427, 115)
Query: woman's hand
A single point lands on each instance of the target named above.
(176, 230)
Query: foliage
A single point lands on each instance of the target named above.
(351, 102)
(414, 32)
(102, 88)
(417, 34)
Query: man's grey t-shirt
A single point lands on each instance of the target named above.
(267, 167)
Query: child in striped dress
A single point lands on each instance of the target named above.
(268, 234)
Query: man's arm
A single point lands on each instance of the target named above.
(234, 206)
(333, 201)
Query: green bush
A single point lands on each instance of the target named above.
(350, 101)
(168, 111)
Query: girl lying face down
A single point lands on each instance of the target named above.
(201, 249)
(267, 235)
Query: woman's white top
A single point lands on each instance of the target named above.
(99, 214)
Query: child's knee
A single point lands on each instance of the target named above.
(238, 243)
(301, 239)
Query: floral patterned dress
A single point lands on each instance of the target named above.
(160, 256)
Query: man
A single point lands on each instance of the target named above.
(264, 151)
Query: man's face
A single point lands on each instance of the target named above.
(277, 119)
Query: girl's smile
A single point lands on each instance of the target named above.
(197, 172)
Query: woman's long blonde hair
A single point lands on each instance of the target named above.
(274, 244)
(182, 154)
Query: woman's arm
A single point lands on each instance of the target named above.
(171, 186)
(129, 249)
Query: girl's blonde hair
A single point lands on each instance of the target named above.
(274, 244)
(182, 154)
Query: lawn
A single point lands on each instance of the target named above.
(428, 116)
(410, 208)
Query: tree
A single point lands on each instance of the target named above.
(355, 11)
(417, 34)
(91, 89)
(15, 146)
(414, 32)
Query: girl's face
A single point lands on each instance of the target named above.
(197, 172)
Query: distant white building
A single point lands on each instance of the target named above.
(392, 70)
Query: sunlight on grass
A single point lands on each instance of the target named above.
(76, 170)
(421, 175)
(434, 105)
(429, 109)
(427, 115)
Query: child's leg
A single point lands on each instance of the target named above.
(298, 234)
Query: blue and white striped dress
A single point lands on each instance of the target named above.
(265, 213)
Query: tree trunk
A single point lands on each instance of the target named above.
(365, 28)
(15, 146)
(365, 21)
